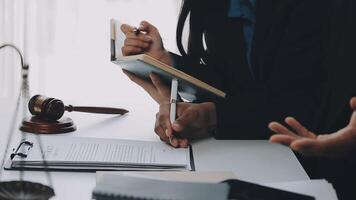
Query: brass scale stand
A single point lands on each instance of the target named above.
(23, 190)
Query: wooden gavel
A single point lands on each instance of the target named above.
(53, 109)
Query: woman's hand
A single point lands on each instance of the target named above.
(155, 88)
(147, 40)
(300, 139)
(194, 121)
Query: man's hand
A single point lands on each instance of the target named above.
(194, 121)
(300, 139)
(147, 40)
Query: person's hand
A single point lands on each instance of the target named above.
(300, 139)
(147, 41)
(155, 88)
(194, 121)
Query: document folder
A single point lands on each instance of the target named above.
(93, 154)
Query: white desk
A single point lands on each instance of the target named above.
(255, 161)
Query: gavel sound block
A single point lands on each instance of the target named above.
(47, 115)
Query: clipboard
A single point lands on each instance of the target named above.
(63, 153)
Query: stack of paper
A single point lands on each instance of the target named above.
(75, 153)
(320, 189)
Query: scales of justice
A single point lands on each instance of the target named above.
(47, 118)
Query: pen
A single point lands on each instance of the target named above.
(136, 31)
(173, 104)
(113, 38)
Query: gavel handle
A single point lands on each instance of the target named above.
(99, 110)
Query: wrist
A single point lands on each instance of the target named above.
(164, 57)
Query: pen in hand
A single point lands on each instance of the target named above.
(137, 31)
(173, 105)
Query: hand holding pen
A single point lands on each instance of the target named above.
(192, 121)
(179, 122)
(144, 39)
(167, 99)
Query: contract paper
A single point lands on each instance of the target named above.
(101, 153)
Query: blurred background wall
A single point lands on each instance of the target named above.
(67, 41)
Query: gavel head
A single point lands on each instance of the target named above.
(46, 108)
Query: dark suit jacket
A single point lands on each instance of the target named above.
(335, 111)
(340, 51)
(286, 59)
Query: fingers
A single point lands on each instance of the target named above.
(282, 139)
(161, 94)
(164, 121)
(131, 50)
(190, 126)
(307, 146)
(147, 27)
(137, 40)
(164, 136)
(160, 86)
(298, 128)
(160, 132)
(165, 128)
(146, 85)
(140, 37)
(183, 142)
(125, 28)
(353, 103)
(280, 129)
(134, 43)
(187, 117)
(352, 122)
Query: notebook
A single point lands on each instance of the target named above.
(131, 187)
(157, 186)
(142, 65)
(93, 154)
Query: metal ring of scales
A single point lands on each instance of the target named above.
(22, 190)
